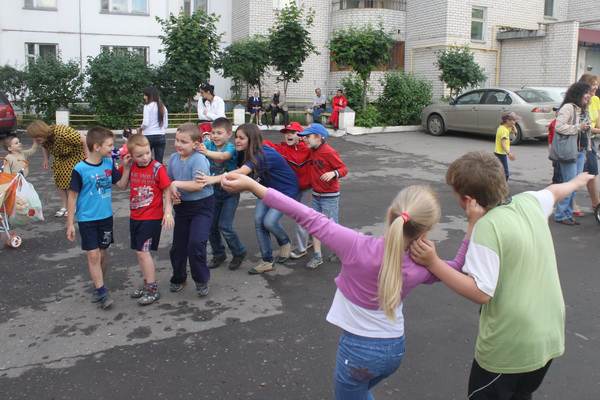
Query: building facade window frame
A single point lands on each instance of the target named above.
(399, 5)
(35, 50)
(141, 50)
(478, 25)
(189, 5)
(45, 5)
(549, 8)
(396, 60)
(281, 4)
(129, 7)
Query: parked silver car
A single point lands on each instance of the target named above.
(479, 111)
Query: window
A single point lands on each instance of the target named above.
(142, 51)
(477, 24)
(189, 6)
(280, 4)
(35, 50)
(388, 4)
(497, 97)
(396, 60)
(45, 4)
(549, 8)
(470, 98)
(125, 6)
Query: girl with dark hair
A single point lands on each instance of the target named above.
(573, 119)
(265, 164)
(155, 122)
(210, 107)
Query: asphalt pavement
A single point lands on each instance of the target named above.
(266, 337)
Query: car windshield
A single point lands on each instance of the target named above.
(533, 96)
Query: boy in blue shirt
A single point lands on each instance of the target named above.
(223, 158)
(90, 197)
(194, 208)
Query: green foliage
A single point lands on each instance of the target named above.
(369, 117)
(290, 43)
(13, 83)
(167, 87)
(364, 49)
(52, 83)
(244, 61)
(116, 83)
(404, 97)
(459, 69)
(353, 91)
(190, 45)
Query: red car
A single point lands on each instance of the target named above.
(8, 119)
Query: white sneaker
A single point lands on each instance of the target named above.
(295, 254)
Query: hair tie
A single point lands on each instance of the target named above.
(405, 217)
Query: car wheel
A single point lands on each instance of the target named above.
(516, 137)
(435, 125)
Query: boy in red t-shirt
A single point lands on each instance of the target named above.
(149, 180)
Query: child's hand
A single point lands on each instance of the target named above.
(327, 176)
(127, 160)
(422, 251)
(511, 157)
(200, 147)
(71, 233)
(236, 183)
(204, 179)
(168, 221)
(474, 211)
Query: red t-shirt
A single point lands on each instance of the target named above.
(297, 157)
(147, 185)
(551, 130)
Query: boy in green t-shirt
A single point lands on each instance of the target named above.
(510, 269)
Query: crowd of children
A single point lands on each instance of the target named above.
(197, 195)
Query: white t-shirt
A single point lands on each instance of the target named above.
(150, 123)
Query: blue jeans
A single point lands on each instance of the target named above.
(363, 362)
(564, 208)
(266, 222)
(327, 205)
(225, 207)
(317, 111)
(157, 143)
(504, 160)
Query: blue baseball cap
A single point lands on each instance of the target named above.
(315, 128)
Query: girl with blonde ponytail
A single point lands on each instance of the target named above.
(376, 275)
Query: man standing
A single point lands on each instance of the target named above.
(319, 104)
(278, 106)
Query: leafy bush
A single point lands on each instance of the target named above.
(370, 117)
(353, 91)
(404, 97)
(13, 83)
(116, 83)
(52, 84)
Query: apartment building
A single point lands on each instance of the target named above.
(539, 42)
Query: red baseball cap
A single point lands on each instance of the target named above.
(292, 126)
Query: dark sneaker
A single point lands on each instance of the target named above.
(566, 221)
(95, 296)
(176, 287)
(105, 301)
(216, 261)
(333, 258)
(139, 292)
(237, 261)
(202, 289)
(149, 297)
(574, 221)
(314, 262)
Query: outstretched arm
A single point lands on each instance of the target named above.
(562, 190)
(235, 183)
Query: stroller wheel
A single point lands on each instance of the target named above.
(14, 240)
(597, 213)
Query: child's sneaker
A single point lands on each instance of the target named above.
(237, 261)
(202, 289)
(284, 253)
(314, 262)
(95, 295)
(105, 301)
(262, 267)
(216, 261)
(139, 292)
(176, 287)
(149, 297)
(295, 254)
(334, 258)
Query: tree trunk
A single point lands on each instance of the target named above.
(364, 102)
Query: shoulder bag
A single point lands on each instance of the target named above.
(564, 147)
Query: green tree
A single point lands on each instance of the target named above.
(290, 43)
(13, 83)
(116, 81)
(190, 45)
(244, 61)
(353, 91)
(404, 97)
(364, 49)
(459, 69)
(52, 83)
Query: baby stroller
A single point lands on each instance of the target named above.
(8, 190)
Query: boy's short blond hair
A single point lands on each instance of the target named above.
(7, 141)
(98, 135)
(137, 140)
(191, 129)
(480, 175)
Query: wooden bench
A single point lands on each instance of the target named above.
(324, 117)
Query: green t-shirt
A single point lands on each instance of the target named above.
(511, 257)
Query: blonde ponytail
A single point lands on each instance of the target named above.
(421, 209)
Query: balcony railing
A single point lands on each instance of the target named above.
(399, 5)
